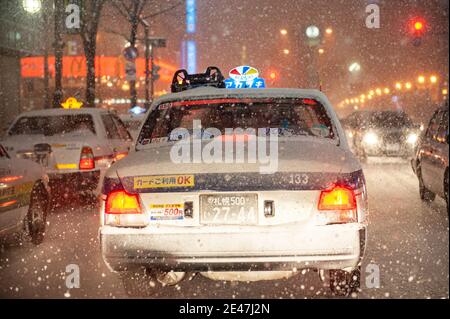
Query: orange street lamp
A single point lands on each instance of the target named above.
(433, 79)
(421, 79)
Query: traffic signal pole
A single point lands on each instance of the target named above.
(152, 64)
(151, 70)
(148, 56)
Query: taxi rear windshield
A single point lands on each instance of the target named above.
(53, 125)
(292, 117)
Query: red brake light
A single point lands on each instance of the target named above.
(10, 179)
(120, 202)
(87, 159)
(309, 102)
(338, 198)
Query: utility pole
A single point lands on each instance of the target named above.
(59, 47)
(46, 12)
(148, 57)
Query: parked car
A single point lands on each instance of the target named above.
(133, 123)
(430, 163)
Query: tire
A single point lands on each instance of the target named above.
(426, 195)
(37, 214)
(343, 283)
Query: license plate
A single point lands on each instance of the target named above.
(230, 209)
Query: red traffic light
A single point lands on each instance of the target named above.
(418, 26)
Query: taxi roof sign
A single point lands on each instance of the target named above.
(72, 103)
(244, 77)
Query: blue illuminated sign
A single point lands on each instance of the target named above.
(257, 83)
(137, 110)
(191, 48)
(191, 16)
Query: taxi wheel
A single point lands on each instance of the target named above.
(426, 195)
(37, 214)
(343, 283)
(139, 283)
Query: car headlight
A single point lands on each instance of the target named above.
(371, 138)
(412, 138)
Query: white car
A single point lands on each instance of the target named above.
(24, 197)
(83, 144)
(165, 213)
(133, 123)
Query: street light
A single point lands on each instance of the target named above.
(398, 86)
(321, 51)
(286, 51)
(312, 32)
(421, 79)
(433, 79)
(408, 85)
(283, 32)
(354, 67)
(329, 31)
(31, 6)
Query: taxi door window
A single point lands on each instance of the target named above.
(121, 129)
(112, 132)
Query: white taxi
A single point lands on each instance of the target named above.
(196, 196)
(83, 144)
(24, 196)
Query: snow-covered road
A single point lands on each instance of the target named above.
(408, 241)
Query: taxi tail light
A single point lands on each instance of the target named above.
(87, 160)
(338, 205)
(120, 202)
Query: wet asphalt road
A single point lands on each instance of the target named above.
(408, 241)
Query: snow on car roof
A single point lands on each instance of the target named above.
(59, 112)
(211, 92)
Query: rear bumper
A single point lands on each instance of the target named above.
(263, 248)
(78, 181)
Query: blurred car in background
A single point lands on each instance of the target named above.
(24, 197)
(430, 163)
(381, 133)
(83, 143)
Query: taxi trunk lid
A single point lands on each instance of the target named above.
(167, 189)
(65, 152)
